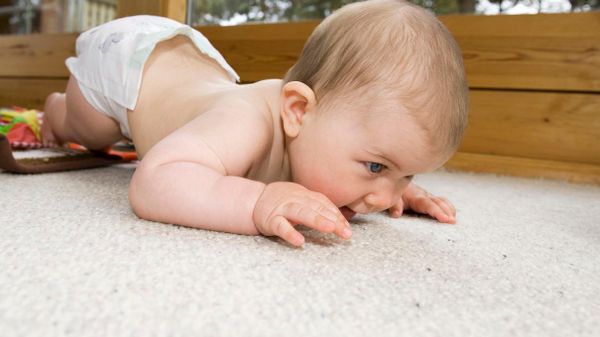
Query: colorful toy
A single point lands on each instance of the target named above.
(20, 129)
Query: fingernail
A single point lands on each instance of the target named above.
(347, 233)
(299, 240)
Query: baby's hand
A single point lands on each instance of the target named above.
(283, 205)
(420, 201)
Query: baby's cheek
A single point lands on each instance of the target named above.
(333, 182)
(318, 183)
(313, 180)
(338, 190)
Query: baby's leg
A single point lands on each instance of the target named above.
(69, 117)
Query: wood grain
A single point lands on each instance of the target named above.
(541, 52)
(27, 92)
(37, 55)
(559, 52)
(525, 167)
(542, 63)
(540, 125)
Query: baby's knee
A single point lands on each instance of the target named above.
(54, 100)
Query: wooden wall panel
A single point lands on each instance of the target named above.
(540, 125)
(527, 56)
(36, 55)
(27, 92)
(525, 167)
(542, 52)
(252, 61)
(570, 63)
(259, 52)
(529, 26)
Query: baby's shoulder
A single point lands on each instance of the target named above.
(237, 131)
(253, 111)
(237, 118)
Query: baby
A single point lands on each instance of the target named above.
(378, 95)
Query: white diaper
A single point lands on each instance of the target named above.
(111, 57)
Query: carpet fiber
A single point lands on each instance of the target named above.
(523, 260)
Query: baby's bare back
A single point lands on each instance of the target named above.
(181, 86)
(178, 84)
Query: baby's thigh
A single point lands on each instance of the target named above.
(93, 128)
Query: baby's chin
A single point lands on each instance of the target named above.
(347, 212)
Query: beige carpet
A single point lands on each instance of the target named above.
(523, 260)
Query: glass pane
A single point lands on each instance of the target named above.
(232, 12)
(54, 16)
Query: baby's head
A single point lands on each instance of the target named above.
(388, 69)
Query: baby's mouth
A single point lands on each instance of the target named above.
(347, 212)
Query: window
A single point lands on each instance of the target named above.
(232, 12)
(54, 16)
(58, 16)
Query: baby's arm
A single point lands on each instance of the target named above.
(182, 180)
(194, 177)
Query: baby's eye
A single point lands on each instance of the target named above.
(375, 167)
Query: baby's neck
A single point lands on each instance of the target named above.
(269, 93)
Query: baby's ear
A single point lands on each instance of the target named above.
(297, 99)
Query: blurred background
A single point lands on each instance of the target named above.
(231, 12)
(53, 16)
(60, 16)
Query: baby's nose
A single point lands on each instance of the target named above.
(379, 201)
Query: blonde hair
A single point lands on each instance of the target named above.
(399, 48)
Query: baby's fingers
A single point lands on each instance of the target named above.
(447, 207)
(282, 228)
(434, 209)
(315, 215)
(429, 206)
(332, 213)
(397, 210)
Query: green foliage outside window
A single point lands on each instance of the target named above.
(227, 12)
